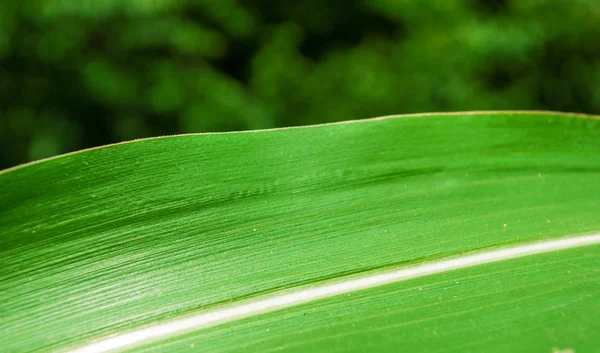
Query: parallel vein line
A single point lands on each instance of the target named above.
(279, 301)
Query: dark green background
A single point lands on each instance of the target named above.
(82, 73)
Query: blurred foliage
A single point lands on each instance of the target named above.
(82, 73)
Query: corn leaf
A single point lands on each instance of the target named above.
(114, 242)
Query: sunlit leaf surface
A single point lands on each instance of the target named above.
(111, 240)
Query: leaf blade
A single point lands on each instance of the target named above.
(138, 233)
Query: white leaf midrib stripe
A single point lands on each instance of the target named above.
(272, 302)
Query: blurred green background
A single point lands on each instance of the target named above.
(82, 73)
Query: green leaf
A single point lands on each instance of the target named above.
(116, 241)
